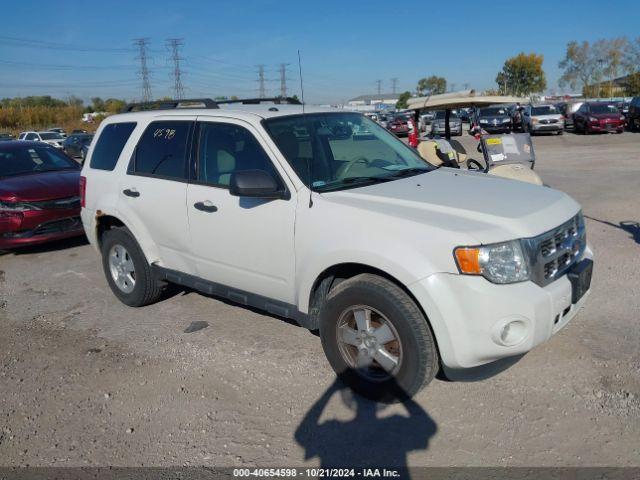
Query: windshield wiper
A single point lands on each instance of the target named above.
(364, 179)
(407, 172)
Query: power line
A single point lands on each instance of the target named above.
(142, 44)
(394, 85)
(40, 44)
(174, 44)
(261, 90)
(379, 86)
(283, 79)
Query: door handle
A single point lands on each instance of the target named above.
(205, 206)
(131, 192)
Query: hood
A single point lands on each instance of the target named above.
(486, 208)
(496, 118)
(40, 186)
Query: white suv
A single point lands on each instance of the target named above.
(55, 139)
(402, 266)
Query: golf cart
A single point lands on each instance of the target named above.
(508, 155)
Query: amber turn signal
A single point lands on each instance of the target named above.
(468, 260)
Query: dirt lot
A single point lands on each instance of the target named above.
(85, 380)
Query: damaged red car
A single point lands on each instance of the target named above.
(39, 195)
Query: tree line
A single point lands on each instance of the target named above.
(590, 67)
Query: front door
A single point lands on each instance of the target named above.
(243, 243)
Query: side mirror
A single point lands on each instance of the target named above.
(254, 183)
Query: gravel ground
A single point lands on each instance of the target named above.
(86, 380)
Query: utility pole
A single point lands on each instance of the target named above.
(261, 89)
(283, 80)
(394, 85)
(142, 44)
(178, 89)
(379, 86)
(452, 87)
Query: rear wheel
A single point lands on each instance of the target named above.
(127, 270)
(376, 338)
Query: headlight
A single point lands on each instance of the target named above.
(16, 207)
(483, 121)
(506, 120)
(534, 120)
(499, 263)
(593, 119)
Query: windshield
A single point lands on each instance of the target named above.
(492, 112)
(51, 136)
(604, 108)
(440, 115)
(342, 150)
(21, 161)
(545, 110)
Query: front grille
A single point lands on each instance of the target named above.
(54, 226)
(59, 203)
(555, 251)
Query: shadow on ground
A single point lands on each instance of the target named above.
(629, 226)
(52, 246)
(370, 439)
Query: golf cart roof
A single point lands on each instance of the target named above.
(467, 98)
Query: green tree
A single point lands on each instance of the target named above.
(114, 105)
(402, 100)
(522, 75)
(581, 66)
(432, 85)
(97, 104)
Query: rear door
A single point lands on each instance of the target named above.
(153, 192)
(243, 243)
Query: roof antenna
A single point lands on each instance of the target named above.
(310, 161)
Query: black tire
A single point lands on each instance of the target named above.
(147, 288)
(419, 361)
(560, 132)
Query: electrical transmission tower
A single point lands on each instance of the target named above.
(261, 90)
(283, 79)
(142, 44)
(174, 44)
(379, 86)
(394, 85)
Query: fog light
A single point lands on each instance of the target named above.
(513, 333)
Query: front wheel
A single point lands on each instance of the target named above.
(127, 270)
(376, 338)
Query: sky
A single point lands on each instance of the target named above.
(85, 48)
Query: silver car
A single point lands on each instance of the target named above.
(438, 127)
(542, 118)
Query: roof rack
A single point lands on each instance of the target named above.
(257, 101)
(170, 104)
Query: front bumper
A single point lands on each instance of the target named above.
(606, 127)
(548, 127)
(467, 313)
(38, 226)
(441, 130)
(496, 128)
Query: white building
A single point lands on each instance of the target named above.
(370, 103)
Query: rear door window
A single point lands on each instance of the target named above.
(110, 144)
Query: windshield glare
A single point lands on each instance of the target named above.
(22, 161)
(546, 110)
(490, 112)
(600, 108)
(51, 136)
(440, 116)
(333, 151)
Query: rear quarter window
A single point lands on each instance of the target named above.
(110, 144)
